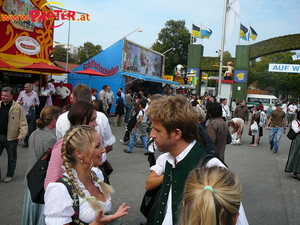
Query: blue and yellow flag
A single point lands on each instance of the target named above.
(243, 32)
(196, 31)
(205, 32)
(253, 34)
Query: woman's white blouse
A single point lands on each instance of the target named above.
(59, 204)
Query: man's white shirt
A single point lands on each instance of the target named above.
(103, 128)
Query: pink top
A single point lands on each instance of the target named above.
(55, 169)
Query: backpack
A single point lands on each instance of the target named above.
(209, 146)
(151, 198)
(36, 177)
(263, 120)
(132, 121)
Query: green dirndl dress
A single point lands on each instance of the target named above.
(293, 162)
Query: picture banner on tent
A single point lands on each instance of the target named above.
(142, 60)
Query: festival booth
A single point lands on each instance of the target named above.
(26, 45)
(126, 65)
(226, 90)
(24, 41)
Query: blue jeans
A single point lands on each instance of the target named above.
(133, 140)
(275, 135)
(11, 149)
(128, 109)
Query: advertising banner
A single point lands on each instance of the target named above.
(168, 77)
(284, 68)
(193, 72)
(26, 28)
(240, 76)
(142, 60)
(296, 57)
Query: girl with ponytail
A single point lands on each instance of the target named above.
(212, 196)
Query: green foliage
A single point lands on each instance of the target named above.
(275, 45)
(283, 84)
(174, 35)
(212, 63)
(87, 51)
(60, 54)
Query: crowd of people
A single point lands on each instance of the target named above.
(184, 129)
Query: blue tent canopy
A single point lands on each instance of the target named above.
(148, 78)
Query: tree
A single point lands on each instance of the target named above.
(60, 54)
(226, 55)
(174, 36)
(87, 51)
(284, 84)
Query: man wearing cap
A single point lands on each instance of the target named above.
(276, 124)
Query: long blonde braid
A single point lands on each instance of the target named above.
(74, 140)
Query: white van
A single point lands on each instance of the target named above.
(254, 99)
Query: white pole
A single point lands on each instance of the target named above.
(67, 60)
(222, 49)
(192, 38)
(249, 33)
(201, 40)
(239, 34)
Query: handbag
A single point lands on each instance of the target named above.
(254, 126)
(149, 200)
(36, 177)
(106, 170)
(291, 134)
(228, 137)
(151, 148)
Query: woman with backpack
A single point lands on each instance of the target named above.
(140, 129)
(39, 142)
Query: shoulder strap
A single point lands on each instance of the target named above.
(204, 159)
(66, 181)
(224, 108)
(34, 145)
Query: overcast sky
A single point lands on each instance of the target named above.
(111, 20)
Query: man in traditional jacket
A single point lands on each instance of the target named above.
(174, 129)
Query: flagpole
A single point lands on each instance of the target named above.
(249, 33)
(191, 35)
(222, 50)
(239, 34)
(200, 34)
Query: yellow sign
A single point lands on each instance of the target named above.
(240, 76)
(168, 77)
(204, 77)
